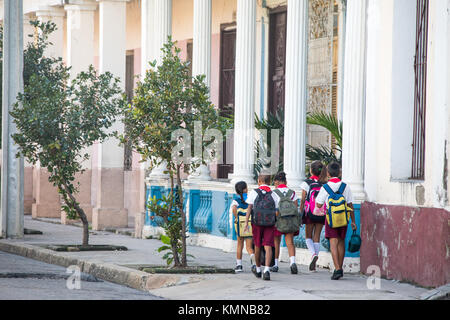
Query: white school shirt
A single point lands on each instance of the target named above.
(322, 197)
(253, 195)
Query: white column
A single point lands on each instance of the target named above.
(80, 36)
(55, 15)
(12, 171)
(147, 27)
(201, 61)
(354, 98)
(245, 92)
(109, 183)
(296, 91)
(341, 56)
(162, 23)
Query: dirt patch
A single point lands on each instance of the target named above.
(76, 248)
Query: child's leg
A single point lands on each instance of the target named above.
(334, 244)
(268, 250)
(240, 247)
(290, 245)
(248, 246)
(308, 235)
(341, 248)
(316, 238)
(277, 241)
(258, 256)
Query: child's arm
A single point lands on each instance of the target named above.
(352, 215)
(235, 211)
(302, 203)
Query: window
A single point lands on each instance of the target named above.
(420, 90)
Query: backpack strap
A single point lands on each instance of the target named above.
(328, 189)
(290, 193)
(279, 193)
(342, 188)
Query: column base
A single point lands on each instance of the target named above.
(235, 178)
(109, 218)
(45, 210)
(358, 192)
(201, 174)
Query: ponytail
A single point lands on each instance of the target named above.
(320, 170)
(240, 187)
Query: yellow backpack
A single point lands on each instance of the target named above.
(338, 214)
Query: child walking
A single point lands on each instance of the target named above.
(282, 191)
(313, 224)
(262, 206)
(336, 235)
(239, 209)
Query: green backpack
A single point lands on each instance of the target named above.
(289, 219)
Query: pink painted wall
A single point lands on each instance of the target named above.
(407, 243)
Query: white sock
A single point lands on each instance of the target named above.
(310, 245)
(266, 269)
(292, 260)
(239, 262)
(317, 247)
(258, 269)
(276, 262)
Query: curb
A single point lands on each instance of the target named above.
(132, 278)
(441, 293)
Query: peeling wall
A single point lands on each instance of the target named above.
(407, 243)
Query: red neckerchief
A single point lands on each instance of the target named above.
(335, 180)
(281, 186)
(265, 188)
(316, 178)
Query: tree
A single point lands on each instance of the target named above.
(58, 118)
(166, 100)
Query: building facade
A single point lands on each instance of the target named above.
(380, 66)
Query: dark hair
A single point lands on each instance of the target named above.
(281, 177)
(240, 187)
(264, 178)
(334, 169)
(319, 169)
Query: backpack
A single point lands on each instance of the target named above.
(264, 210)
(239, 224)
(355, 243)
(289, 220)
(310, 203)
(338, 211)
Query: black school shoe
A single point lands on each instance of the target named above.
(312, 265)
(294, 269)
(337, 274)
(266, 275)
(257, 274)
(238, 269)
(274, 269)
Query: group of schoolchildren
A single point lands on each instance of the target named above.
(264, 215)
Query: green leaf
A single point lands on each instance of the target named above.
(165, 239)
(164, 248)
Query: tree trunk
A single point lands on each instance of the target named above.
(183, 219)
(173, 238)
(82, 215)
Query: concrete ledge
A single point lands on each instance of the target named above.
(106, 271)
(441, 293)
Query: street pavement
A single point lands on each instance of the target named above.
(283, 285)
(26, 279)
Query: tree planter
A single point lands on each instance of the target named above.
(185, 270)
(76, 248)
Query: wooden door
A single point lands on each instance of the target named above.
(227, 84)
(277, 59)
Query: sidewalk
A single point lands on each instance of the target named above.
(115, 267)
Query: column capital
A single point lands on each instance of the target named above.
(81, 5)
(49, 11)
